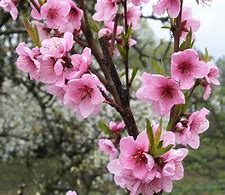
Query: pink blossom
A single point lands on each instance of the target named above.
(35, 14)
(57, 47)
(56, 91)
(123, 177)
(133, 16)
(83, 95)
(186, 67)
(80, 64)
(73, 19)
(54, 12)
(172, 168)
(138, 172)
(116, 126)
(51, 71)
(213, 75)
(188, 22)
(43, 31)
(27, 60)
(161, 91)
(210, 79)
(108, 29)
(207, 91)
(197, 124)
(134, 155)
(138, 2)
(10, 6)
(105, 10)
(106, 146)
(171, 6)
(70, 192)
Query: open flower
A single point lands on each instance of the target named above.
(54, 12)
(133, 15)
(197, 124)
(134, 155)
(105, 10)
(210, 79)
(161, 91)
(188, 23)
(10, 6)
(186, 67)
(83, 95)
(80, 64)
(106, 146)
(57, 47)
(171, 6)
(73, 19)
(27, 60)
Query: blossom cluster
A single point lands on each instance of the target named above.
(66, 76)
(138, 171)
(150, 162)
(186, 69)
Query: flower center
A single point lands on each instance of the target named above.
(52, 13)
(184, 68)
(166, 92)
(140, 157)
(85, 92)
(73, 13)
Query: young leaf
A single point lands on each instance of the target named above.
(32, 32)
(121, 50)
(102, 125)
(93, 25)
(157, 67)
(150, 134)
(159, 152)
(188, 42)
(158, 134)
(134, 73)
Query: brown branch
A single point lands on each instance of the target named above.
(35, 5)
(126, 59)
(107, 66)
(177, 29)
(114, 34)
(124, 97)
(8, 32)
(153, 17)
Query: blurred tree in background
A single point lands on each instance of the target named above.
(44, 149)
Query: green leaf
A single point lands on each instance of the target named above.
(32, 32)
(42, 2)
(166, 27)
(177, 111)
(159, 152)
(122, 74)
(121, 50)
(158, 134)
(93, 25)
(160, 144)
(188, 43)
(206, 57)
(134, 73)
(150, 135)
(157, 67)
(102, 125)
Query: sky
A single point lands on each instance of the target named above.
(211, 34)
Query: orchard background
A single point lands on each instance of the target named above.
(45, 149)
